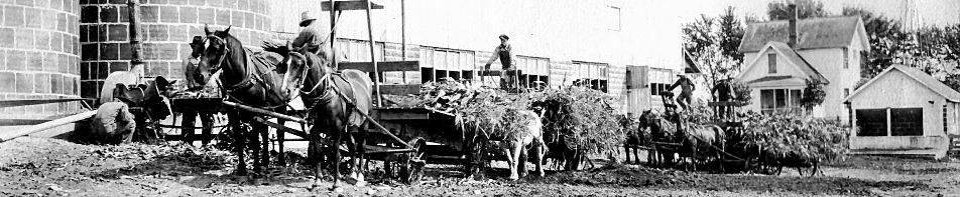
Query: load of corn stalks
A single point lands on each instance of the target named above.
(577, 118)
(580, 119)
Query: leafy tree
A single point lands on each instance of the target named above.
(698, 35)
(805, 8)
(713, 43)
(730, 34)
(886, 39)
(813, 94)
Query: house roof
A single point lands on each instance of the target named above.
(791, 56)
(925, 79)
(770, 78)
(831, 32)
(691, 66)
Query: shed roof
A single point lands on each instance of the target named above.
(925, 79)
(831, 32)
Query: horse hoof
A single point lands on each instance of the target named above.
(513, 177)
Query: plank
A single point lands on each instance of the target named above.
(46, 125)
(17, 122)
(282, 128)
(382, 66)
(724, 103)
(403, 115)
(25, 102)
(264, 112)
(349, 5)
(400, 89)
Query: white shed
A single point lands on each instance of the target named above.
(903, 111)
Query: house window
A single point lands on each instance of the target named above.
(772, 62)
(613, 18)
(779, 100)
(846, 58)
(899, 122)
(906, 121)
(656, 88)
(871, 122)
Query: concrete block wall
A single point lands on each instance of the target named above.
(167, 28)
(39, 56)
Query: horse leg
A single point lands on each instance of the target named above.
(337, 135)
(539, 151)
(514, 158)
(255, 145)
(239, 145)
(281, 136)
(626, 151)
(636, 155)
(264, 145)
(799, 170)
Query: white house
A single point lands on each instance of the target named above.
(779, 56)
(903, 111)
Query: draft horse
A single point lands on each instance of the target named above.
(249, 79)
(335, 101)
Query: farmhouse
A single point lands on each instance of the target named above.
(780, 56)
(904, 111)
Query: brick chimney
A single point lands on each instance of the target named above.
(792, 29)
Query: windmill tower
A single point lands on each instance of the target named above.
(910, 16)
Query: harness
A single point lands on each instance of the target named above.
(247, 81)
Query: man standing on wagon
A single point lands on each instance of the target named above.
(504, 52)
(686, 91)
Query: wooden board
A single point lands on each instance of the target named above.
(403, 115)
(382, 66)
(349, 5)
(400, 89)
(25, 102)
(724, 103)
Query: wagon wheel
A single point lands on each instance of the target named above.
(411, 169)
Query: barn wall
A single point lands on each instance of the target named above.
(166, 29)
(39, 56)
(897, 90)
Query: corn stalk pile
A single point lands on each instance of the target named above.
(581, 119)
(783, 134)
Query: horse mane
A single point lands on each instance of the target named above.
(231, 42)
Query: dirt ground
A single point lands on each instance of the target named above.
(52, 167)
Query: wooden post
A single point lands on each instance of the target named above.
(333, 35)
(136, 60)
(403, 36)
(373, 55)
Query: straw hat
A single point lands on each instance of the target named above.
(306, 18)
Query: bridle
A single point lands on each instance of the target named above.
(223, 55)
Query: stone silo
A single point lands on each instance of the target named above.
(39, 56)
(166, 28)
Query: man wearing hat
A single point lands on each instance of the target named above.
(686, 91)
(505, 52)
(310, 35)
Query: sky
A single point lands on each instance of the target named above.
(933, 12)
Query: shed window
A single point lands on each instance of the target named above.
(906, 121)
(902, 122)
(772, 62)
(871, 122)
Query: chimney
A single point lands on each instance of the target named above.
(792, 29)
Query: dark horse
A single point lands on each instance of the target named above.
(246, 79)
(670, 135)
(335, 100)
